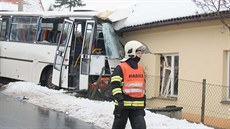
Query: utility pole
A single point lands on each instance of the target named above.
(20, 5)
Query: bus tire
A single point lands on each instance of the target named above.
(48, 81)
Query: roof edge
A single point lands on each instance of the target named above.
(178, 20)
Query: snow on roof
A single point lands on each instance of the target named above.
(29, 5)
(156, 10)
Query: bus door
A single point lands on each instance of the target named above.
(86, 54)
(61, 60)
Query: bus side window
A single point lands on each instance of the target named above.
(16, 33)
(3, 28)
(13, 33)
(21, 35)
(48, 36)
(45, 33)
(55, 36)
(43, 36)
(100, 43)
(49, 32)
(56, 32)
(30, 34)
(23, 29)
(63, 37)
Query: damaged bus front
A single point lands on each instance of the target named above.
(74, 50)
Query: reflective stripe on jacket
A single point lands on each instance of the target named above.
(132, 103)
(134, 84)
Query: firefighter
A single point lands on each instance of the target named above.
(128, 88)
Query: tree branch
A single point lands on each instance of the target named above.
(214, 6)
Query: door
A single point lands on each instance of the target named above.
(61, 60)
(86, 54)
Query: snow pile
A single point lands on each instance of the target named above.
(97, 112)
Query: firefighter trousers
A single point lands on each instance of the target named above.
(136, 118)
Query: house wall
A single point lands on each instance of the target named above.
(202, 49)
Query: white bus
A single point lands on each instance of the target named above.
(68, 50)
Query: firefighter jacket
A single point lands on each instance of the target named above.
(128, 84)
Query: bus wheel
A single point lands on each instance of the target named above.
(48, 82)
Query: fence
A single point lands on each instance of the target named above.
(201, 101)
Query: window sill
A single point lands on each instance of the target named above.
(164, 98)
(225, 102)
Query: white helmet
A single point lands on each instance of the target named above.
(131, 47)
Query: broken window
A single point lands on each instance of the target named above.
(113, 47)
(169, 75)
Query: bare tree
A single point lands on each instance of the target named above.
(215, 7)
(70, 3)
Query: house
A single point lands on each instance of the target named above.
(28, 5)
(190, 52)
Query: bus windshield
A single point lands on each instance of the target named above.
(113, 47)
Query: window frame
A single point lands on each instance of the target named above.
(170, 81)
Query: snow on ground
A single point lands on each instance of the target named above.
(97, 112)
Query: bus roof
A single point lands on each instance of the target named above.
(50, 14)
(106, 15)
